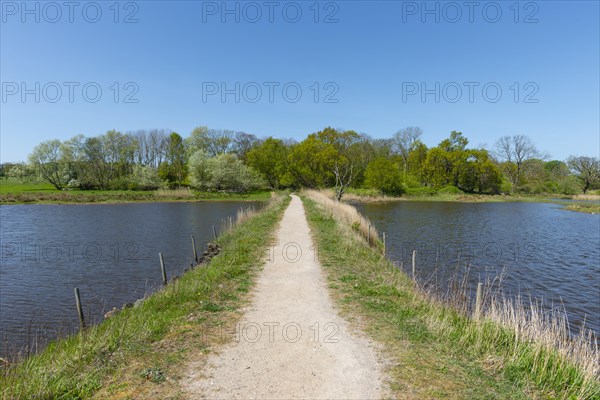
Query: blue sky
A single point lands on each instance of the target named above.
(373, 59)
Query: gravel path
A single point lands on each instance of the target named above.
(291, 343)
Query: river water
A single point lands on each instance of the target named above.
(543, 252)
(109, 251)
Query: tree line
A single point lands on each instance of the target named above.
(225, 160)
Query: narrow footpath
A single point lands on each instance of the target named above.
(291, 343)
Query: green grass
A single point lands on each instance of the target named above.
(12, 192)
(435, 352)
(584, 208)
(10, 186)
(141, 352)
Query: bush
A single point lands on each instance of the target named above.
(450, 190)
(421, 192)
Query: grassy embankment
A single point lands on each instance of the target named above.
(438, 350)
(26, 193)
(588, 203)
(142, 352)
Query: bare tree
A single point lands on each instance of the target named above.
(587, 170)
(242, 143)
(344, 175)
(516, 150)
(404, 141)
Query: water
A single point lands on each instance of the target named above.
(546, 253)
(109, 251)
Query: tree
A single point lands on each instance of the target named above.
(47, 157)
(416, 161)
(515, 150)
(173, 169)
(311, 162)
(199, 169)
(587, 169)
(404, 141)
(243, 143)
(343, 170)
(384, 175)
(270, 159)
(224, 172)
(479, 174)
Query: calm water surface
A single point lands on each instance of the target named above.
(109, 251)
(546, 252)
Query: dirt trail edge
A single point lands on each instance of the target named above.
(291, 343)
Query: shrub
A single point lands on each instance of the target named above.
(450, 190)
(421, 192)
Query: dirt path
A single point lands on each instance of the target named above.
(291, 343)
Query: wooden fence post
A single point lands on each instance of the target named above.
(478, 300)
(79, 309)
(414, 259)
(194, 246)
(162, 268)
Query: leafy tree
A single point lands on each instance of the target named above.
(270, 159)
(199, 169)
(173, 169)
(416, 161)
(438, 167)
(224, 172)
(587, 169)
(311, 162)
(478, 174)
(384, 175)
(47, 157)
(144, 177)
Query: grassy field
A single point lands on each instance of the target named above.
(142, 352)
(438, 351)
(28, 193)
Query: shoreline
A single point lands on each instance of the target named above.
(123, 197)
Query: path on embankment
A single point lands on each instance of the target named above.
(292, 342)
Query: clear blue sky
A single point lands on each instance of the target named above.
(376, 56)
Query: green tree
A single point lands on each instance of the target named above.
(270, 159)
(384, 175)
(311, 163)
(174, 168)
(47, 158)
(587, 169)
(224, 172)
(416, 161)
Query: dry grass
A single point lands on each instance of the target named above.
(181, 193)
(346, 214)
(593, 197)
